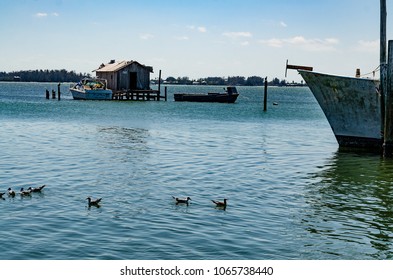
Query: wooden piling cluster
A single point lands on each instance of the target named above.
(53, 93)
(139, 95)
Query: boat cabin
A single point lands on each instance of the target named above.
(125, 75)
(231, 90)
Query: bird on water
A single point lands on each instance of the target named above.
(39, 189)
(93, 202)
(24, 192)
(182, 200)
(1, 195)
(222, 204)
(11, 192)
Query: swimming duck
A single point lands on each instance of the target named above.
(24, 192)
(182, 200)
(222, 204)
(95, 202)
(39, 189)
(11, 192)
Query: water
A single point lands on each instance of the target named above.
(291, 193)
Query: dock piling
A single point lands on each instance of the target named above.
(159, 80)
(58, 91)
(265, 96)
(388, 129)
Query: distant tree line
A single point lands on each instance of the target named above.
(224, 81)
(43, 76)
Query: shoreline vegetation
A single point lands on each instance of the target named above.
(63, 76)
(227, 81)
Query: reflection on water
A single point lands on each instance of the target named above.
(124, 135)
(124, 142)
(351, 206)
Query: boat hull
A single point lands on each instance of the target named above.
(352, 107)
(97, 94)
(211, 97)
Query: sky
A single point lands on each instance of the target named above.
(195, 39)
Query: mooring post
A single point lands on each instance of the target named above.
(58, 91)
(47, 94)
(388, 131)
(265, 96)
(166, 94)
(382, 62)
(159, 81)
(53, 94)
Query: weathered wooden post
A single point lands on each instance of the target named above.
(265, 96)
(159, 80)
(388, 132)
(58, 91)
(47, 94)
(386, 125)
(382, 61)
(166, 94)
(53, 94)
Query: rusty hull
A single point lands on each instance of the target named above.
(352, 107)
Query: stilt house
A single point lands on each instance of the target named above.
(125, 75)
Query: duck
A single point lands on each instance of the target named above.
(39, 189)
(222, 204)
(24, 192)
(11, 192)
(93, 202)
(182, 200)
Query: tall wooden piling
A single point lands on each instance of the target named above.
(58, 91)
(388, 132)
(159, 83)
(265, 96)
(382, 61)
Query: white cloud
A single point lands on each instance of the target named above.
(327, 44)
(368, 46)
(44, 15)
(283, 24)
(146, 36)
(41, 15)
(202, 29)
(182, 38)
(237, 35)
(276, 43)
(245, 43)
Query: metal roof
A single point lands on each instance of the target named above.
(115, 66)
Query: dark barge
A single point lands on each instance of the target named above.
(229, 96)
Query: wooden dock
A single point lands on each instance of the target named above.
(139, 95)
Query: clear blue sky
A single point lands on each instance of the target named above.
(193, 38)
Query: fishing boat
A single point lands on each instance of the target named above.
(229, 96)
(352, 107)
(91, 89)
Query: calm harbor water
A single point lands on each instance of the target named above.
(291, 193)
